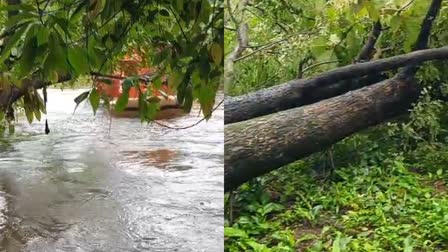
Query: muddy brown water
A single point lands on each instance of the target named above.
(130, 187)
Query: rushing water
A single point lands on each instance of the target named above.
(92, 185)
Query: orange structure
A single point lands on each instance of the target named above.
(133, 66)
(130, 66)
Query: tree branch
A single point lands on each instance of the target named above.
(293, 93)
(425, 32)
(367, 50)
(9, 97)
(243, 42)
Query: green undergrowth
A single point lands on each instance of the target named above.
(387, 192)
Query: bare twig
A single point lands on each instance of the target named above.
(319, 64)
(269, 45)
(232, 17)
(189, 126)
(405, 7)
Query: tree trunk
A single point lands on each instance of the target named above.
(260, 145)
(326, 85)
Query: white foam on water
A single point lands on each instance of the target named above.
(75, 169)
(3, 206)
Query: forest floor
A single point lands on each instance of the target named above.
(381, 190)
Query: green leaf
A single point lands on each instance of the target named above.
(395, 22)
(18, 7)
(175, 79)
(412, 28)
(216, 53)
(206, 99)
(94, 99)
(78, 60)
(22, 18)
(234, 232)
(56, 62)
(151, 111)
(42, 36)
(12, 41)
(319, 46)
(128, 83)
(188, 99)
(29, 113)
(40, 102)
(408, 246)
(179, 5)
(336, 244)
(79, 9)
(204, 15)
(122, 101)
(373, 11)
(57, 55)
(142, 106)
(109, 43)
(204, 69)
(37, 113)
(164, 13)
(26, 62)
(153, 99)
(63, 24)
(157, 82)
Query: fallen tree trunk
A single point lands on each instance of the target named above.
(302, 92)
(260, 145)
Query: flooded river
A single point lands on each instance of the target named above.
(98, 185)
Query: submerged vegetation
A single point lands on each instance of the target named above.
(382, 189)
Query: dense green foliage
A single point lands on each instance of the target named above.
(388, 193)
(383, 189)
(56, 41)
(314, 36)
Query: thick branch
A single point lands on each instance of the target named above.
(294, 93)
(425, 32)
(8, 97)
(366, 52)
(260, 145)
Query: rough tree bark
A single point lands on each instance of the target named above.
(296, 93)
(263, 144)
